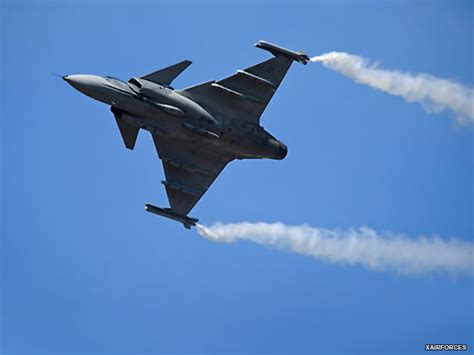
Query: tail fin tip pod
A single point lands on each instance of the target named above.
(300, 57)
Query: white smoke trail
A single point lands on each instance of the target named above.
(434, 94)
(354, 246)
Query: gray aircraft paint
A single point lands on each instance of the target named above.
(197, 131)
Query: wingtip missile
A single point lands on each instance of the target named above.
(300, 57)
(188, 222)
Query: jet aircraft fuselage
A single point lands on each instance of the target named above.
(164, 111)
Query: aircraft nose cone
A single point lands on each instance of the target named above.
(79, 81)
(90, 85)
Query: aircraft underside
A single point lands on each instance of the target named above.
(198, 130)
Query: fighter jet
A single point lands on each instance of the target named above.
(197, 131)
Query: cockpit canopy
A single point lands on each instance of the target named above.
(114, 80)
(137, 83)
(146, 88)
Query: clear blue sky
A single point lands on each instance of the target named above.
(85, 270)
